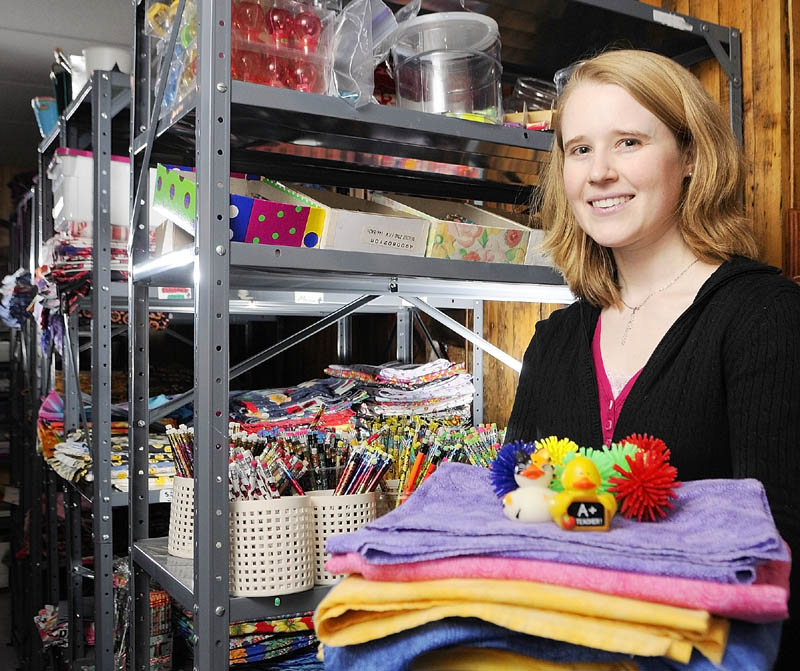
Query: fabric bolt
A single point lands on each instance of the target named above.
(486, 659)
(763, 601)
(750, 647)
(357, 610)
(719, 530)
(397, 652)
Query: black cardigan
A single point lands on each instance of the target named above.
(722, 389)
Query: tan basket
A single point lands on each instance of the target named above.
(336, 515)
(271, 541)
(272, 546)
(180, 540)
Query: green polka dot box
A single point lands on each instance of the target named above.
(269, 213)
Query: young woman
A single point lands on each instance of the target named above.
(678, 332)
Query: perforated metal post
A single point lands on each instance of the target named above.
(138, 356)
(101, 374)
(477, 364)
(211, 540)
(405, 336)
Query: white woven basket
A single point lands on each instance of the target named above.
(271, 541)
(272, 546)
(180, 540)
(336, 515)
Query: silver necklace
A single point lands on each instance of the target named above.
(635, 309)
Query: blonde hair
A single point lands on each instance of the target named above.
(710, 214)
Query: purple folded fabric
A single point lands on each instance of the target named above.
(719, 530)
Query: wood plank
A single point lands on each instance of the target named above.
(794, 101)
(510, 326)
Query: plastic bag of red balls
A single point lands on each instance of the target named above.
(282, 43)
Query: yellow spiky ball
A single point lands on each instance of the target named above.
(558, 448)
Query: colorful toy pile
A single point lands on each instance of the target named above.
(581, 488)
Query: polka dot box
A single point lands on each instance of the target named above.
(293, 223)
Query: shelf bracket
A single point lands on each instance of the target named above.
(265, 355)
(464, 332)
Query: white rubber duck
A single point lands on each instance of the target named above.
(531, 502)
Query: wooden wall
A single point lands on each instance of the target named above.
(770, 64)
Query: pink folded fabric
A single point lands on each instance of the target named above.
(763, 601)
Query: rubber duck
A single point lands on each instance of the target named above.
(531, 501)
(579, 507)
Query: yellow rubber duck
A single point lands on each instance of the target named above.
(579, 507)
(531, 502)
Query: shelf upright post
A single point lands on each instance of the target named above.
(138, 355)
(477, 364)
(37, 464)
(72, 500)
(405, 335)
(211, 291)
(344, 339)
(101, 374)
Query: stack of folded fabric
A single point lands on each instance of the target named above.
(271, 639)
(424, 390)
(447, 581)
(326, 402)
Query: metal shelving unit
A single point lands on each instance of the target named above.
(89, 122)
(228, 125)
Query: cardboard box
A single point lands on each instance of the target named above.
(175, 195)
(280, 216)
(489, 237)
(354, 224)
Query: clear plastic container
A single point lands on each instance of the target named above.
(534, 94)
(449, 63)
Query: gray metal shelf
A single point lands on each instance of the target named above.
(300, 137)
(268, 267)
(88, 122)
(174, 574)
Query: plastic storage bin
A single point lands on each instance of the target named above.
(336, 515)
(449, 63)
(72, 174)
(271, 541)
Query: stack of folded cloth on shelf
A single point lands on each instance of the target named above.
(327, 402)
(161, 466)
(269, 639)
(16, 294)
(67, 257)
(71, 458)
(447, 581)
(429, 389)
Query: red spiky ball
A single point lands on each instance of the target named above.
(645, 488)
(647, 443)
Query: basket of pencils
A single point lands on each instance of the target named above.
(272, 546)
(180, 538)
(271, 541)
(336, 514)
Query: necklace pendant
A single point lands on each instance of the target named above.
(628, 326)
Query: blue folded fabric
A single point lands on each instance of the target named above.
(751, 647)
(719, 530)
(396, 652)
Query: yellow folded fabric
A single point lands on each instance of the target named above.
(357, 610)
(486, 659)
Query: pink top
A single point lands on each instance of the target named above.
(610, 407)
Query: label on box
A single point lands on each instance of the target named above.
(174, 292)
(389, 237)
(165, 495)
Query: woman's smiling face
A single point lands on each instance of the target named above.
(623, 168)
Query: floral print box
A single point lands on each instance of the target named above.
(465, 232)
